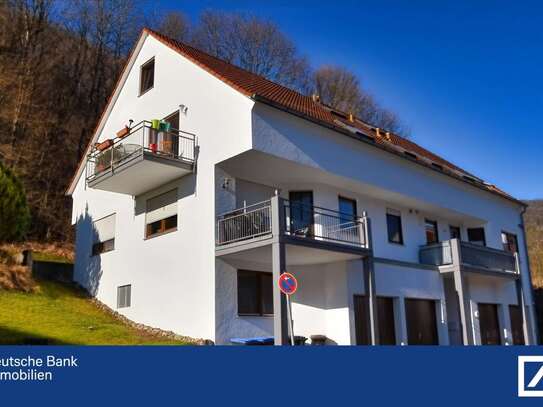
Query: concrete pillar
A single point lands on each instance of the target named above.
(280, 321)
(369, 282)
(400, 322)
(462, 292)
(522, 302)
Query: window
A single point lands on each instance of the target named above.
(431, 231)
(255, 293)
(103, 235)
(410, 155)
(455, 233)
(477, 236)
(394, 226)
(147, 76)
(301, 212)
(347, 209)
(161, 214)
(510, 243)
(437, 166)
(124, 294)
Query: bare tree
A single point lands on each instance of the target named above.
(253, 44)
(340, 89)
(175, 25)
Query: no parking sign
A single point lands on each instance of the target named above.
(288, 283)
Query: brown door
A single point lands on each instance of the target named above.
(385, 315)
(362, 320)
(489, 325)
(421, 322)
(515, 313)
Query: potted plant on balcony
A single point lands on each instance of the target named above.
(125, 131)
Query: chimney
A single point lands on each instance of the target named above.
(316, 98)
(377, 132)
(351, 117)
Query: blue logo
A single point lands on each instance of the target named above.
(530, 376)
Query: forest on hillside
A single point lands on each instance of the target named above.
(534, 234)
(60, 60)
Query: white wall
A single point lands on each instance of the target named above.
(172, 275)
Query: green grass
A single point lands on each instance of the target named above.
(61, 314)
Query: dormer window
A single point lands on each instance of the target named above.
(147, 76)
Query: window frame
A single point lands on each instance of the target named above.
(515, 237)
(142, 67)
(392, 212)
(355, 208)
(451, 227)
(259, 293)
(475, 241)
(435, 225)
(163, 230)
(128, 303)
(99, 248)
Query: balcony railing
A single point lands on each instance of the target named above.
(245, 223)
(441, 254)
(298, 220)
(486, 257)
(142, 139)
(323, 224)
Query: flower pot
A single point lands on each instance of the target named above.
(104, 145)
(155, 124)
(123, 132)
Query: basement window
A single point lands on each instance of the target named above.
(103, 235)
(124, 296)
(147, 76)
(255, 293)
(161, 214)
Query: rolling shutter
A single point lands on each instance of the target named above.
(162, 206)
(104, 229)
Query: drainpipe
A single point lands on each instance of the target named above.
(533, 321)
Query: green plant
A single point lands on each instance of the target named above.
(14, 211)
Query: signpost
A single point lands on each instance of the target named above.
(288, 286)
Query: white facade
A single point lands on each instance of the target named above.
(248, 150)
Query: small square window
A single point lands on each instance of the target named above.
(255, 293)
(124, 294)
(147, 76)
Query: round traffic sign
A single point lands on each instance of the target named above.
(288, 283)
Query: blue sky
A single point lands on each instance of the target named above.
(466, 77)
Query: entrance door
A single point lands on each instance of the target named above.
(301, 212)
(515, 313)
(362, 320)
(421, 322)
(489, 325)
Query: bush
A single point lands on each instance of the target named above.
(14, 212)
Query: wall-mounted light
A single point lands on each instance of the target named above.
(183, 109)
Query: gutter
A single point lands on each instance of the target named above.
(259, 98)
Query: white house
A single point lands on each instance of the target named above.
(204, 182)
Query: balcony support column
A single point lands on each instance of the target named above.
(280, 322)
(369, 282)
(462, 292)
(521, 302)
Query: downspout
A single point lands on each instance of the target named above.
(525, 244)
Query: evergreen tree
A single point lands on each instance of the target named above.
(14, 212)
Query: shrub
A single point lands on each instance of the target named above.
(14, 212)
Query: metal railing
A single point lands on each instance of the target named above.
(142, 138)
(323, 224)
(486, 257)
(244, 223)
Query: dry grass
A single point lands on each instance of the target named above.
(62, 250)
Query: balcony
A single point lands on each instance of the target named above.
(471, 257)
(296, 223)
(142, 159)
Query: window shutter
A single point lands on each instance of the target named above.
(104, 229)
(162, 206)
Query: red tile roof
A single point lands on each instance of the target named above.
(266, 91)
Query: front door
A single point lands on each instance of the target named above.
(301, 212)
(421, 322)
(489, 325)
(517, 323)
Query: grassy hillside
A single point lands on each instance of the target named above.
(61, 314)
